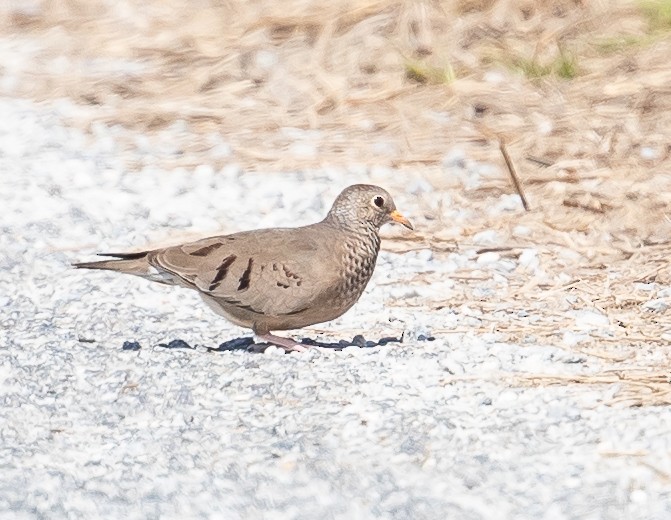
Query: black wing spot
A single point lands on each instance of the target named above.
(244, 279)
(204, 251)
(283, 285)
(222, 270)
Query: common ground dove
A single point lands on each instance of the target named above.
(279, 278)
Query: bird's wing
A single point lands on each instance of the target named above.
(272, 272)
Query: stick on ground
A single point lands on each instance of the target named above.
(513, 174)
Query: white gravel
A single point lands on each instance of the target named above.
(416, 430)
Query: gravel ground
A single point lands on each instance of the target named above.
(117, 402)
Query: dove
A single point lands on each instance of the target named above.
(277, 279)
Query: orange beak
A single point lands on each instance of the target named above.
(397, 217)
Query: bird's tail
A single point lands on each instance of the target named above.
(130, 263)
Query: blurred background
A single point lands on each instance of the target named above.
(580, 91)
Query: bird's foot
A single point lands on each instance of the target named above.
(289, 345)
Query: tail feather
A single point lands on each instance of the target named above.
(131, 263)
(126, 256)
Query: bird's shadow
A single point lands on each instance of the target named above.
(247, 344)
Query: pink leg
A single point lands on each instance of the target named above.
(287, 344)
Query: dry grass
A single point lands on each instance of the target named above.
(579, 91)
(422, 75)
(634, 387)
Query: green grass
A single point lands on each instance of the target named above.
(564, 66)
(616, 44)
(657, 13)
(429, 74)
(531, 68)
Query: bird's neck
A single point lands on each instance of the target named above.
(347, 224)
(357, 236)
(356, 245)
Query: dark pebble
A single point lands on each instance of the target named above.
(338, 346)
(131, 345)
(359, 341)
(234, 344)
(384, 341)
(176, 343)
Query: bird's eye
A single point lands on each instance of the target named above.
(378, 201)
